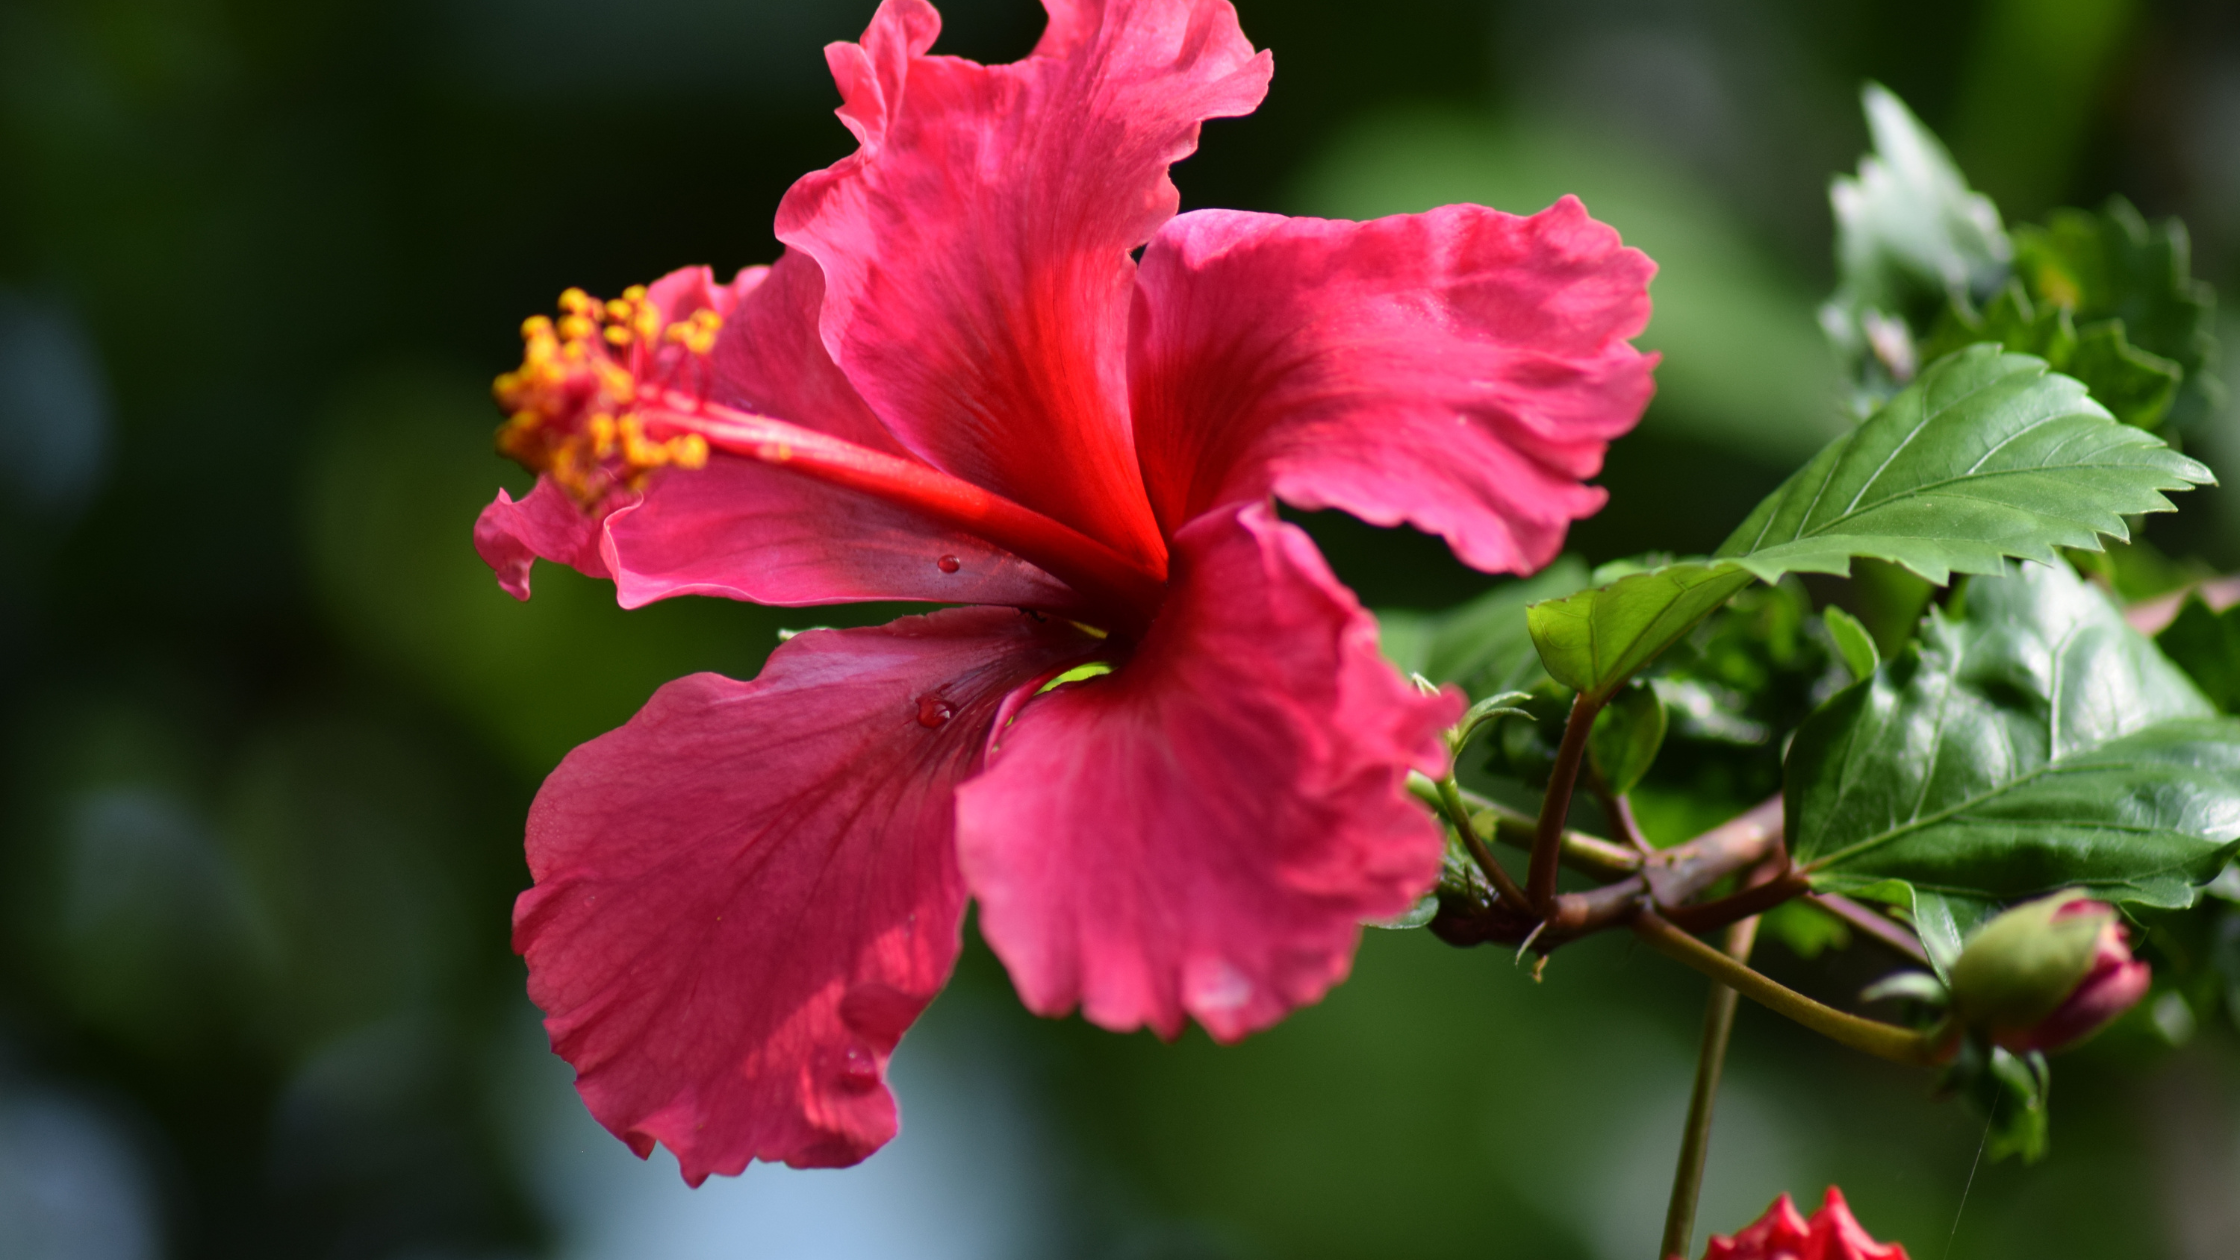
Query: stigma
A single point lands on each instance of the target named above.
(574, 405)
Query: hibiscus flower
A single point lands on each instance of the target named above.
(958, 385)
(1784, 1234)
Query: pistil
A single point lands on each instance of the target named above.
(599, 404)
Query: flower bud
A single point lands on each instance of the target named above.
(1784, 1234)
(2047, 974)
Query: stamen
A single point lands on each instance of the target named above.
(594, 405)
(571, 404)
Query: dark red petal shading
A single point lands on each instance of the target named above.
(975, 247)
(746, 894)
(1460, 370)
(743, 529)
(1202, 831)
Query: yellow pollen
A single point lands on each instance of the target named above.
(570, 404)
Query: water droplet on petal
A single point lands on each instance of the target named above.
(858, 1070)
(933, 711)
(949, 564)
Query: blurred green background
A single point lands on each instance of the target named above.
(271, 728)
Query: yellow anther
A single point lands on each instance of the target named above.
(569, 402)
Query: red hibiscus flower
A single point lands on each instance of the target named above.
(959, 386)
(1781, 1234)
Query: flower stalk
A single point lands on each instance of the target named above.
(1884, 1041)
(1711, 1058)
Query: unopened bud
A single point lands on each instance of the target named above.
(2047, 974)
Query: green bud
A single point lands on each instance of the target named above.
(2016, 970)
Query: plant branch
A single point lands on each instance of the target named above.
(1865, 920)
(1465, 826)
(1589, 855)
(1711, 1058)
(1555, 807)
(1619, 811)
(1736, 907)
(1885, 1041)
(1679, 872)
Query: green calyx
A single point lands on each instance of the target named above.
(2017, 969)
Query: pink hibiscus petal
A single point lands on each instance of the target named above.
(745, 530)
(1202, 831)
(746, 894)
(1460, 370)
(975, 247)
(511, 536)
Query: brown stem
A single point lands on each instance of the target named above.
(1711, 1058)
(1677, 874)
(1735, 907)
(1865, 920)
(1555, 807)
(1619, 811)
(1681, 871)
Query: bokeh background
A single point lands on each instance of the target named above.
(270, 729)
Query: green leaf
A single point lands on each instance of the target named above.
(2036, 742)
(1985, 456)
(2115, 266)
(2138, 387)
(2012, 1093)
(1852, 641)
(1593, 641)
(1910, 237)
(1483, 646)
(1624, 740)
(2206, 645)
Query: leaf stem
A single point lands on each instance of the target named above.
(1458, 813)
(1619, 811)
(1884, 1041)
(1555, 807)
(1711, 1058)
(1880, 927)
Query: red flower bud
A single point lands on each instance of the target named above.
(2111, 985)
(1781, 1234)
(2047, 974)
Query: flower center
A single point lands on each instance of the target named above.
(612, 393)
(572, 404)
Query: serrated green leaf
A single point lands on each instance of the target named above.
(2011, 319)
(2035, 742)
(2135, 385)
(1852, 641)
(2114, 265)
(1986, 457)
(1484, 645)
(2206, 645)
(1910, 237)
